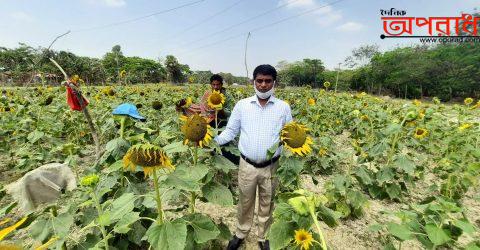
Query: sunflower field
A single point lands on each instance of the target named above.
(356, 172)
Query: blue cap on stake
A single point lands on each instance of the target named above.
(128, 109)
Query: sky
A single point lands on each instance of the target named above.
(212, 34)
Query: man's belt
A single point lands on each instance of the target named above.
(261, 164)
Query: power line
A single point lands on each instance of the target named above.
(138, 18)
(240, 23)
(267, 25)
(206, 19)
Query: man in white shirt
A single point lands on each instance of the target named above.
(259, 120)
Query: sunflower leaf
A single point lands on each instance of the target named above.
(218, 194)
(170, 235)
(281, 234)
(203, 227)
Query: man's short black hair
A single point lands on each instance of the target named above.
(216, 77)
(265, 69)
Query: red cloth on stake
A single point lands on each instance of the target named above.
(72, 100)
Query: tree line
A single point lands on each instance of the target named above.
(25, 65)
(443, 70)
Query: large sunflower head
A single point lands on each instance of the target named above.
(420, 133)
(185, 103)
(216, 100)
(294, 137)
(149, 157)
(196, 129)
(303, 239)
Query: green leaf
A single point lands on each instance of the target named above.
(117, 147)
(394, 191)
(385, 174)
(121, 206)
(218, 194)
(223, 164)
(271, 151)
(123, 225)
(405, 164)
(289, 170)
(328, 216)
(225, 233)
(299, 204)
(375, 228)
(203, 226)
(186, 178)
(171, 235)
(61, 224)
(436, 234)
(281, 234)
(466, 226)
(401, 232)
(40, 230)
(34, 136)
(176, 147)
(364, 177)
(7, 209)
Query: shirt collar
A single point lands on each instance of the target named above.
(254, 98)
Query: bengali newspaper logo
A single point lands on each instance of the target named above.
(397, 25)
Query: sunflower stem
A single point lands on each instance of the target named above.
(394, 142)
(317, 225)
(100, 213)
(193, 196)
(122, 126)
(158, 198)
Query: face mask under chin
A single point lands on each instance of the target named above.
(265, 95)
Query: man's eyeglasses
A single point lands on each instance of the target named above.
(264, 80)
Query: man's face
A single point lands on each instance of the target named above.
(216, 85)
(264, 83)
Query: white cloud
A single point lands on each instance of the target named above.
(297, 3)
(110, 3)
(351, 27)
(21, 16)
(325, 15)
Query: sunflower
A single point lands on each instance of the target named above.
(327, 84)
(196, 129)
(416, 102)
(216, 100)
(476, 105)
(364, 117)
(420, 133)
(322, 152)
(123, 73)
(185, 103)
(465, 126)
(157, 105)
(149, 157)
(294, 137)
(303, 239)
(311, 101)
(468, 101)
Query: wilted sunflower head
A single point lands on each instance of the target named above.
(157, 105)
(303, 239)
(216, 100)
(196, 129)
(420, 133)
(294, 137)
(147, 156)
